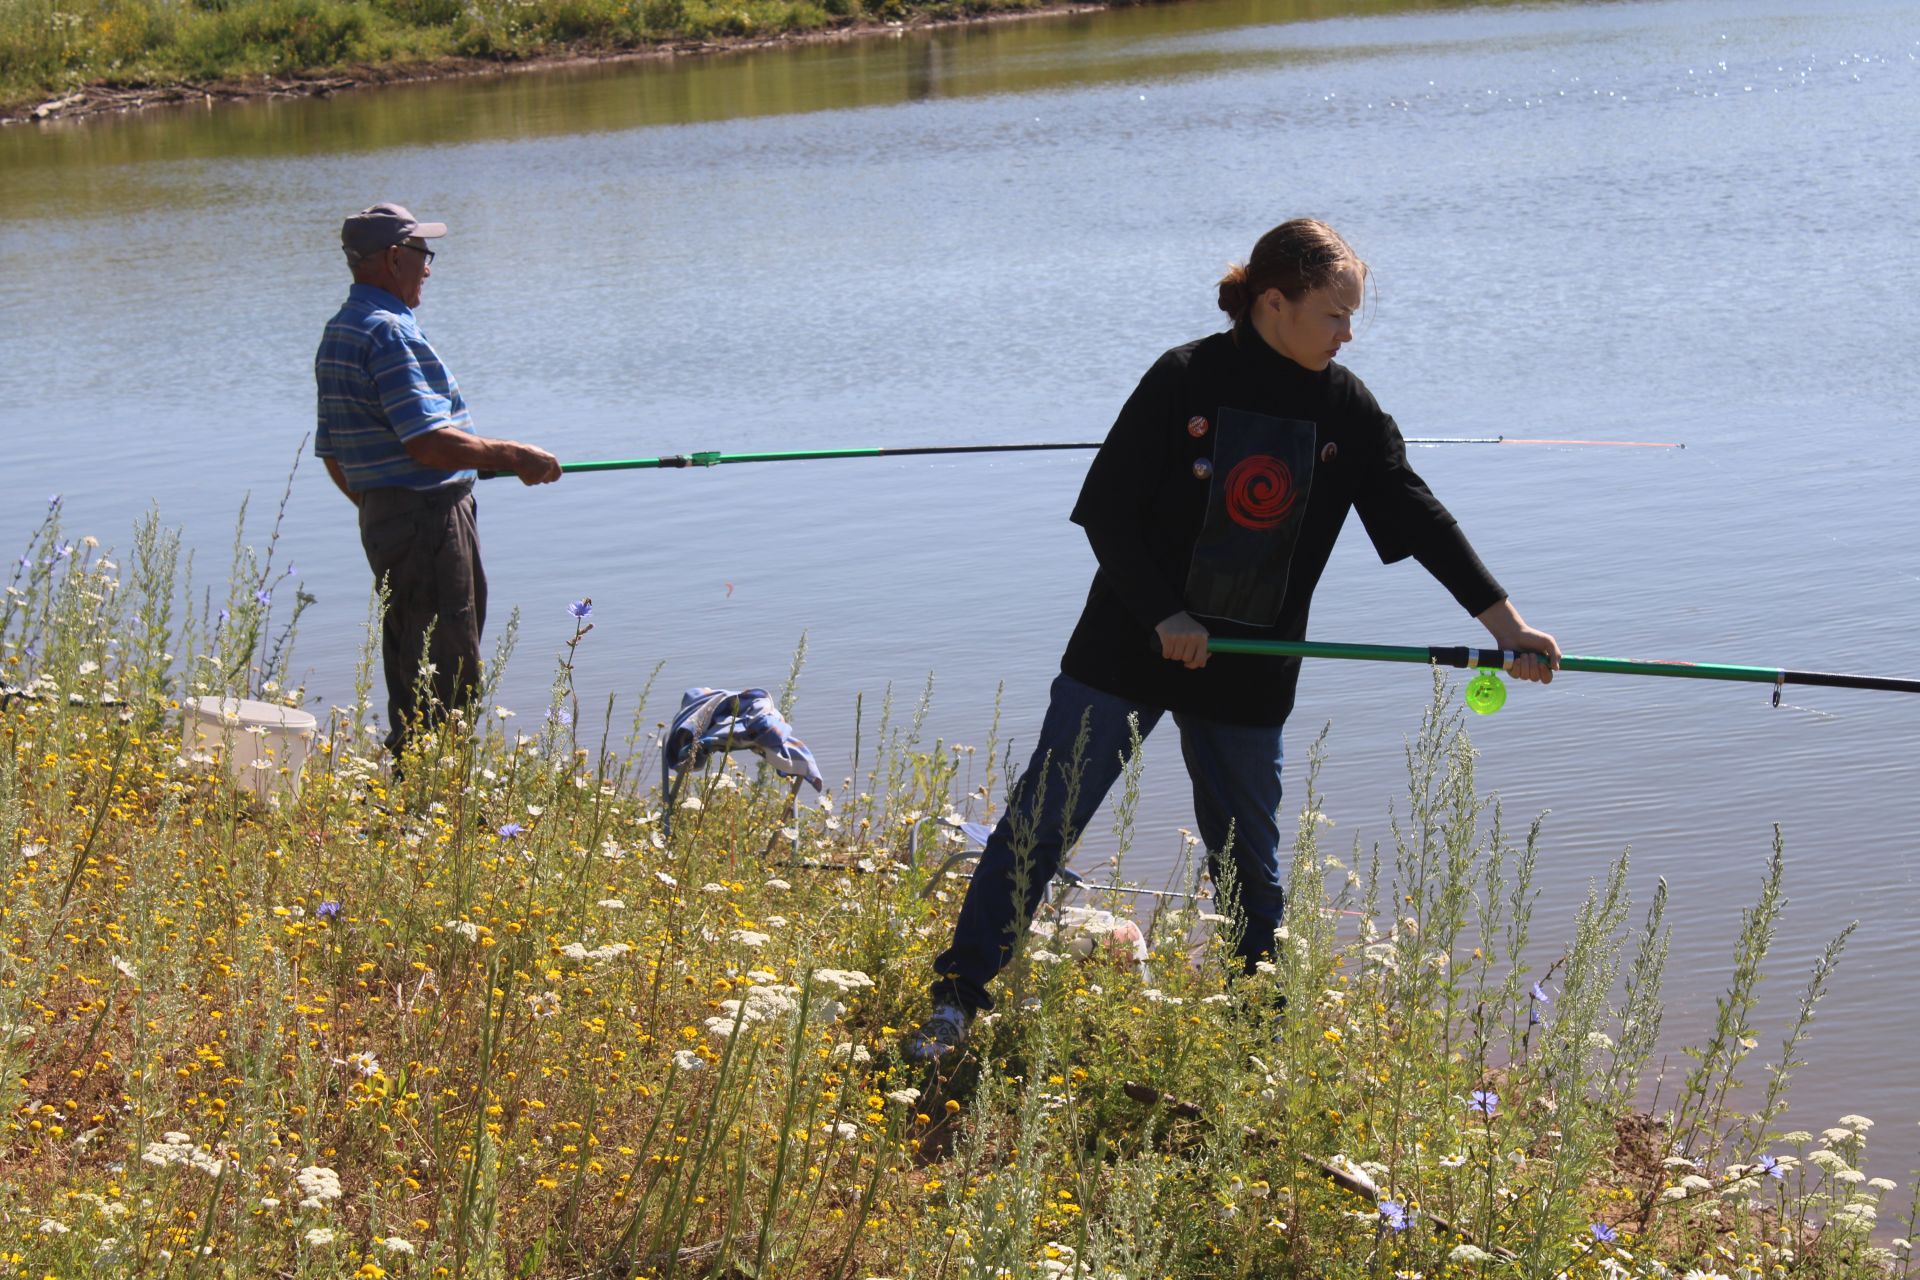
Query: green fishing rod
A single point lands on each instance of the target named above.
(715, 458)
(1486, 694)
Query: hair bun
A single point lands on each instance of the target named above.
(1235, 297)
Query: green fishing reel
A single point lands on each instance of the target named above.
(1486, 693)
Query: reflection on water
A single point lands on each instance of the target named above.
(1681, 220)
(1018, 56)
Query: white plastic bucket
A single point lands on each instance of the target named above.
(264, 746)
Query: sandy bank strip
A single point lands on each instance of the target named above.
(94, 100)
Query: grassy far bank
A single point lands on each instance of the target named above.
(496, 1021)
(49, 48)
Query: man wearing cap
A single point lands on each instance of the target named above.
(396, 437)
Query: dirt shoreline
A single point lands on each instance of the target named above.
(95, 100)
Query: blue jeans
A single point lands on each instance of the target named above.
(1236, 787)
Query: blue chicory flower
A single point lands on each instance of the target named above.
(264, 596)
(64, 550)
(1770, 1166)
(581, 608)
(53, 500)
(510, 830)
(328, 910)
(1395, 1215)
(1604, 1233)
(1484, 1101)
(1533, 1016)
(1538, 994)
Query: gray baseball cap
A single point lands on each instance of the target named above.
(383, 226)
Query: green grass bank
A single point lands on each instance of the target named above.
(110, 54)
(495, 1020)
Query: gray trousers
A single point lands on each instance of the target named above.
(426, 547)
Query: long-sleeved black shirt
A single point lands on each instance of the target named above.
(1220, 491)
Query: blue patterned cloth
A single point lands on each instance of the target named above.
(382, 384)
(720, 720)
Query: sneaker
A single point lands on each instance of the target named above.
(942, 1034)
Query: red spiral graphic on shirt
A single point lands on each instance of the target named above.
(1260, 492)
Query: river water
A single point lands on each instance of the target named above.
(1658, 221)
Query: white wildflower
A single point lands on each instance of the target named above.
(766, 1003)
(394, 1244)
(1694, 1182)
(859, 1054)
(269, 1202)
(779, 884)
(842, 979)
(606, 951)
(465, 928)
(712, 887)
(749, 938)
(905, 1097)
(1883, 1184)
(364, 1063)
(844, 1131)
(1453, 1161)
(320, 1184)
(1464, 1254)
(126, 970)
(687, 1060)
(1830, 1161)
(1850, 1175)
(1857, 1122)
(320, 1237)
(53, 1227)
(545, 1005)
(1798, 1135)
(1836, 1135)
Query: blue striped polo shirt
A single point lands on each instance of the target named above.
(380, 384)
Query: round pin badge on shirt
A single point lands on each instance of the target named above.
(1202, 468)
(1197, 426)
(1329, 451)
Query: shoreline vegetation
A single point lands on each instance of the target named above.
(493, 1019)
(62, 59)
